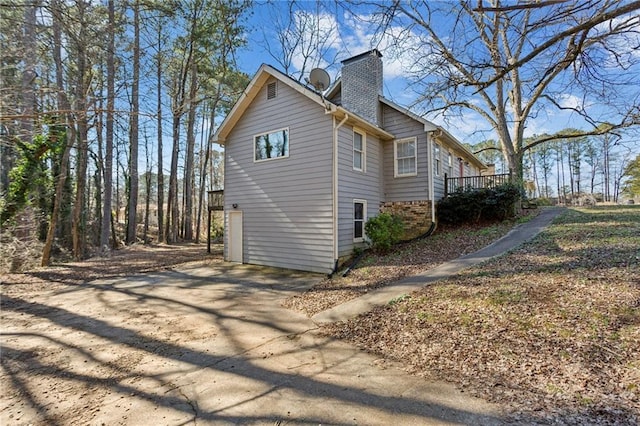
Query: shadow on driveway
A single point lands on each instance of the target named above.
(206, 345)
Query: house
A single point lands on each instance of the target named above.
(304, 172)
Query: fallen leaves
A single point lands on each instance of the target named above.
(551, 330)
(407, 259)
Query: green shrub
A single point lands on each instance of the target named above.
(384, 231)
(474, 205)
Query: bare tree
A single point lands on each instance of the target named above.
(510, 64)
(160, 40)
(189, 176)
(306, 37)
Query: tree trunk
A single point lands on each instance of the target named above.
(78, 220)
(69, 136)
(172, 197)
(29, 73)
(147, 198)
(189, 162)
(203, 170)
(107, 170)
(570, 166)
(606, 168)
(564, 187)
(132, 205)
(160, 206)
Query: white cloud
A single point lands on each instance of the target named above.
(623, 39)
(317, 34)
(567, 100)
(398, 45)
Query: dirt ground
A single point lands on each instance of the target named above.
(37, 372)
(146, 320)
(198, 345)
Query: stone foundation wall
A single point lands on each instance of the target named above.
(416, 215)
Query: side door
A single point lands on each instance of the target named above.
(235, 237)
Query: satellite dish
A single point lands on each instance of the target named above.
(319, 79)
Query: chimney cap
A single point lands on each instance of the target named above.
(371, 52)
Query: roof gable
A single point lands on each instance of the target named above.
(251, 91)
(257, 83)
(438, 131)
(428, 126)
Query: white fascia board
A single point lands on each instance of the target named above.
(448, 137)
(251, 91)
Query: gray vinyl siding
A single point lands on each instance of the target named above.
(408, 188)
(286, 202)
(356, 185)
(438, 180)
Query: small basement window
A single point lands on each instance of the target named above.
(272, 90)
(359, 219)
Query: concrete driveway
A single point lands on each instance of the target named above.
(201, 346)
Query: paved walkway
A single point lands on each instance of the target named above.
(382, 296)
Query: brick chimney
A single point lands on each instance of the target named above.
(362, 84)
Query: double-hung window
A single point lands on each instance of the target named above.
(450, 165)
(270, 145)
(359, 150)
(405, 156)
(359, 219)
(436, 159)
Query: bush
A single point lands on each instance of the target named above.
(474, 205)
(384, 231)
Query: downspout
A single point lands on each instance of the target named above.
(335, 190)
(431, 178)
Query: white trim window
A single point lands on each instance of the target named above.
(450, 165)
(436, 159)
(405, 157)
(271, 145)
(359, 150)
(359, 219)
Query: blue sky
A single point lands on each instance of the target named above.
(348, 36)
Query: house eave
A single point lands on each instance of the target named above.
(442, 134)
(251, 91)
(334, 89)
(355, 120)
(438, 131)
(428, 126)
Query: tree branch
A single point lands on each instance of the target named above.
(489, 148)
(584, 26)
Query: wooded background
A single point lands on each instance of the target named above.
(88, 88)
(107, 109)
